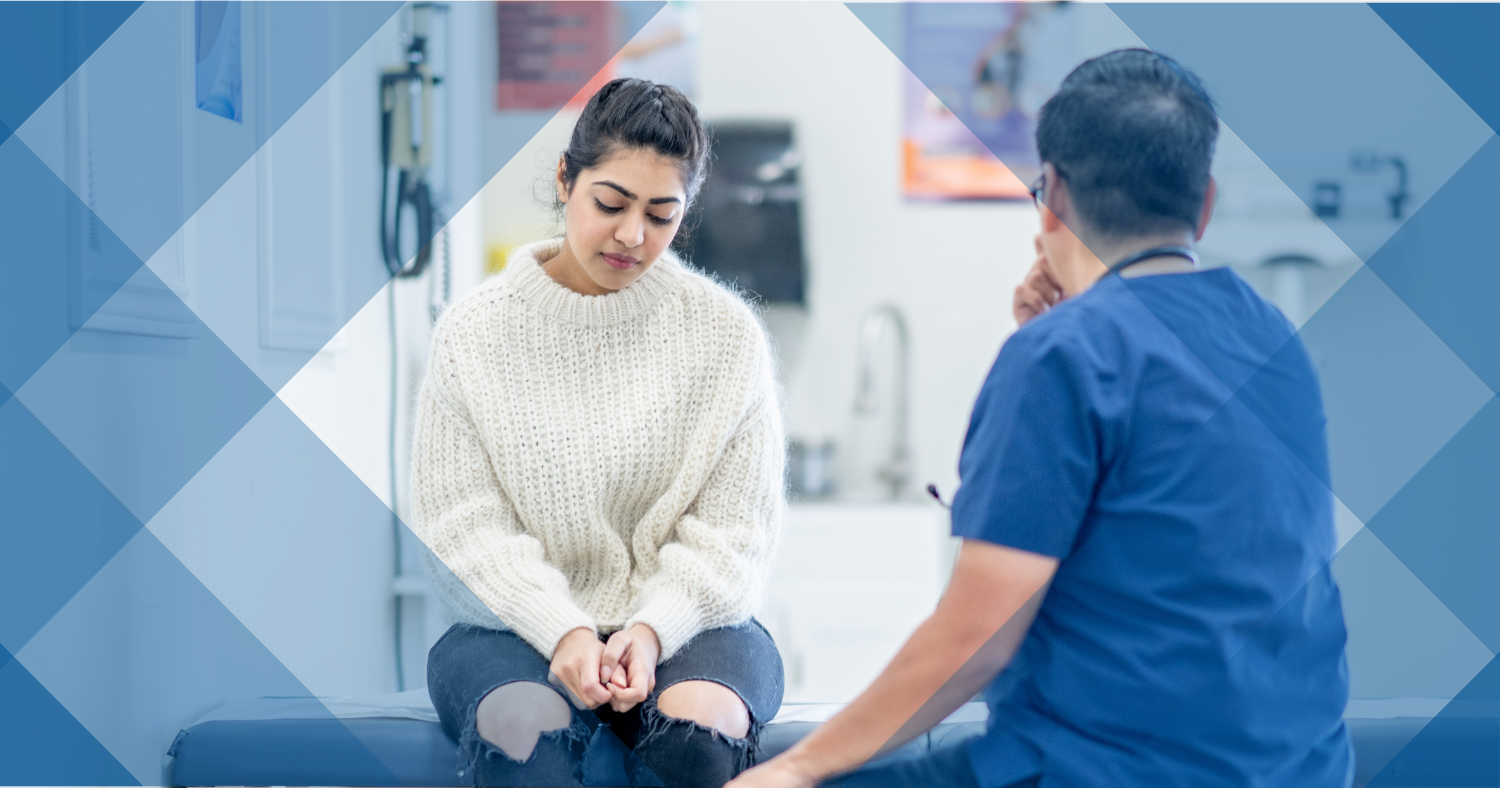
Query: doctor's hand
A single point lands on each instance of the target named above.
(1039, 291)
(628, 666)
(575, 669)
(783, 771)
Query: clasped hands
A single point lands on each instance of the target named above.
(620, 672)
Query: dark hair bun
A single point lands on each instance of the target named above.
(629, 113)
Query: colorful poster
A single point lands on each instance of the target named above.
(551, 52)
(979, 74)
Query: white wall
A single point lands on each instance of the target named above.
(949, 267)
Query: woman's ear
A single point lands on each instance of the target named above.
(562, 184)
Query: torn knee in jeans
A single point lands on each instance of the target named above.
(672, 734)
(556, 760)
(709, 704)
(514, 716)
(513, 720)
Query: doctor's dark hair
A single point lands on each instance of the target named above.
(639, 114)
(1132, 132)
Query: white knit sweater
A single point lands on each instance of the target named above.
(598, 461)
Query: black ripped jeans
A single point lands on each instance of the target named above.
(468, 662)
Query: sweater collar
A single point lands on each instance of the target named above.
(546, 295)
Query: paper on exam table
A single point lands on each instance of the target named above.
(820, 712)
(417, 705)
(410, 705)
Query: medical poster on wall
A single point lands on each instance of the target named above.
(549, 51)
(978, 75)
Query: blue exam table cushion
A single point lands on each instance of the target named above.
(396, 740)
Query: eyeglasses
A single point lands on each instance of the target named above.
(1041, 183)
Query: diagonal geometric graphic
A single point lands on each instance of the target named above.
(234, 541)
(153, 158)
(61, 263)
(279, 251)
(1458, 41)
(148, 393)
(1393, 392)
(1460, 746)
(144, 649)
(59, 36)
(145, 422)
(1444, 525)
(41, 744)
(1402, 641)
(1328, 80)
(183, 428)
(1442, 263)
(66, 525)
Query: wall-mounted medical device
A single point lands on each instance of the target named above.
(1369, 161)
(406, 146)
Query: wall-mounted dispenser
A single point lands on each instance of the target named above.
(1328, 198)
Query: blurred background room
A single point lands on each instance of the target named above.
(881, 239)
(856, 199)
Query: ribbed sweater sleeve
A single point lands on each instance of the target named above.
(711, 574)
(462, 514)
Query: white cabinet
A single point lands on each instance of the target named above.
(850, 583)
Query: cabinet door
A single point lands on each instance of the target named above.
(136, 175)
(301, 202)
(850, 584)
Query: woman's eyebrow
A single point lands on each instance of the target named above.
(617, 187)
(631, 196)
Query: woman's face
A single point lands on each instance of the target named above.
(620, 217)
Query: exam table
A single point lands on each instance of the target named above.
(391, 740)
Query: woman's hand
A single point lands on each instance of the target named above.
(1039, 292)
(628, 666)
(575, 668)
(783, 771)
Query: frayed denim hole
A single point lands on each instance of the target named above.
(472, 746)
(654, 724)
(752, 736)
(575, 736)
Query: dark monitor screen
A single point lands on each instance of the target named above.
(748, 230)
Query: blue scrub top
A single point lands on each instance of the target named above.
(1164, 437)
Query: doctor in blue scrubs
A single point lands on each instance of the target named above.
(1143, 592)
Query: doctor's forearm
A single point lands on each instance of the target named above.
(979, 623)
(921, 678)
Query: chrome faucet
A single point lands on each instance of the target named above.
(895, 472)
